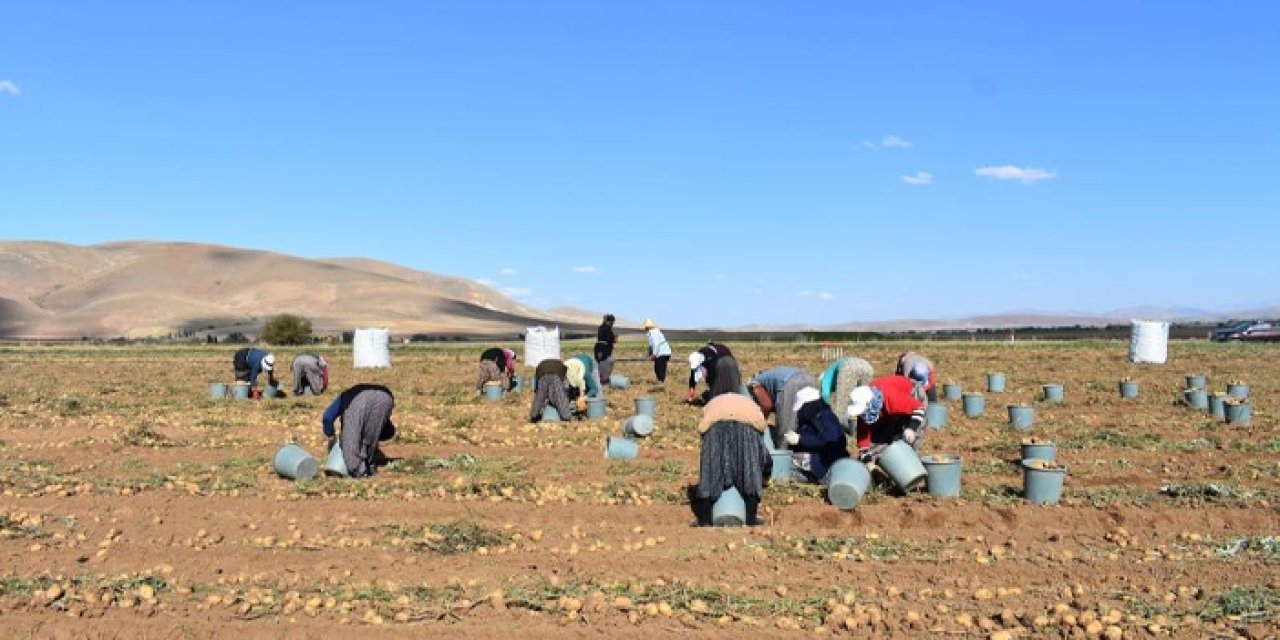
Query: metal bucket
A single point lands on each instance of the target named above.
(550, 414)
(638, 426)
(493, 391)
(1042, 481)
(1128, 389)
(617, 448)
(1217, 406)
(240, 391)
(944, 474)
(270, 391)
(952, 391)
(1238, 390)
(1022, 416)
(902, 464)
(1195, 381)
(1238, 412)
(295, 463)
(1035, 449)
(974, 404)
(619, 381)
(1053, 392)
(729, 509)
(1196, 399)
(847, 482)
(781, 466)
(596, 408)
(335, 464)
(995, 382)
(935, 415)
(217, 390)
(646, 406)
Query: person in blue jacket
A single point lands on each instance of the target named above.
(365, 413)
(249, 362)
(819, 439)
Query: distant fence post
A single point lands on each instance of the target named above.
(832, 351)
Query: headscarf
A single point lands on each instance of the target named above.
(732, 407)
(866, 402)
(576, 375)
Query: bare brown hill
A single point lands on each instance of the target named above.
(137, 289)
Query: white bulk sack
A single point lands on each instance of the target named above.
(371, 348)
(541, 343)
(1150, 342)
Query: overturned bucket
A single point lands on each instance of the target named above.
(217, 390)
(902, 464)
(847, 482)
(295, 463)
(944, 474)
(995, 382)
(619, 381)
(1037, 449)
(1053, 392)
(596, 408)
(974, 404)
(1128, 389)
(240, 391)
(646, 405)
(638, 426)
(335, 464)
(1042, 481)
(729, 509)
(952, 391)
(1022, 416)
(616, 448)
(935, 415)
(493, 391)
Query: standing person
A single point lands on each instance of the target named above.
(659, 350)
(605, 339)
(732, 455)
(497, 365)
(310, 374)
(590, 382)
(840, 378)
(775, 391)
(365, 413)
(886, 410)
(249, 362)
(818, 441)
(921, 370)
(551, 387)
(715, 363)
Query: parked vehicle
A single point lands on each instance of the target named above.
(1230, 332)
(1261, 332)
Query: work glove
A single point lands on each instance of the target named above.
(865, 457)
(792, 438)
(909, 435)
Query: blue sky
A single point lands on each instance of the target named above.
(702, 163)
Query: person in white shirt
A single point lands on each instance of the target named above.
(659, 350)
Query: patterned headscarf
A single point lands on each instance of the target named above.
(872, 414)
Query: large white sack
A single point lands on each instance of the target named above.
(372, 348)
(1149, 342)
(541, 343)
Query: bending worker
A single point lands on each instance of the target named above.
(497, 365)
(551, 387)
(921, 371)
(886, 411)
(774, 390)
(248, 362)
(714, 363)
(310, 374)
(365, 413)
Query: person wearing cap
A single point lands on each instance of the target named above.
(659, 350)
(551, 386)
(714, 363)
(249, 362)
(921, 371)
(886, 410)
(310, 374)
(775, 390)
(365, 415)
(840, 378)
(603, 350)
(497, 365)
(818, 440)
(732, 455)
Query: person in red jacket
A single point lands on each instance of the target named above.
(886, 410)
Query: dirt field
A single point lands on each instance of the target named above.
(135, 506)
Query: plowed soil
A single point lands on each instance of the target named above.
(135, 506)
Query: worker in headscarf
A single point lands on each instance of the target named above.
(774, 390)
(603, 351)
(249, 362)
(886, 410)
(714, 363)
(921, 371)
(733, 455)
(659, 350)
(497, 365)
(842, 377)
(365, 413)
(589, 383)
(551, 386)
(818, 440)
(310, 374)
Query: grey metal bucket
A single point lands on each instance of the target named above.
(619, 381)
(1042, 481)
(781, 466)
(1128, 389)
(974, 404)
(1035, 449)
(1238, 412)
(902, 464)
(847, 482)
(596, 408)
(995, 382)
(952, 391)
(1022, 416)
(1195, 381)
(1053, 392)
(270, 391)
(217, 390)
(638, 426)
(646, 405)
(729, 509)
(944, 474)
(493, 391)
(1196, 399)
(295, 463)
(550, 414)
(616, 448)
(1238, 390)
(335, 464)
(935, 415)
(1217, 406)
(240, 390)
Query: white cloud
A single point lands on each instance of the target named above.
(585, 269)
(894, 142)
(920, 178)
(867, 144)
(1009, 172)
(7, 86)
(821, 295)
(486, 282)
(516, 292)
(508, 271)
